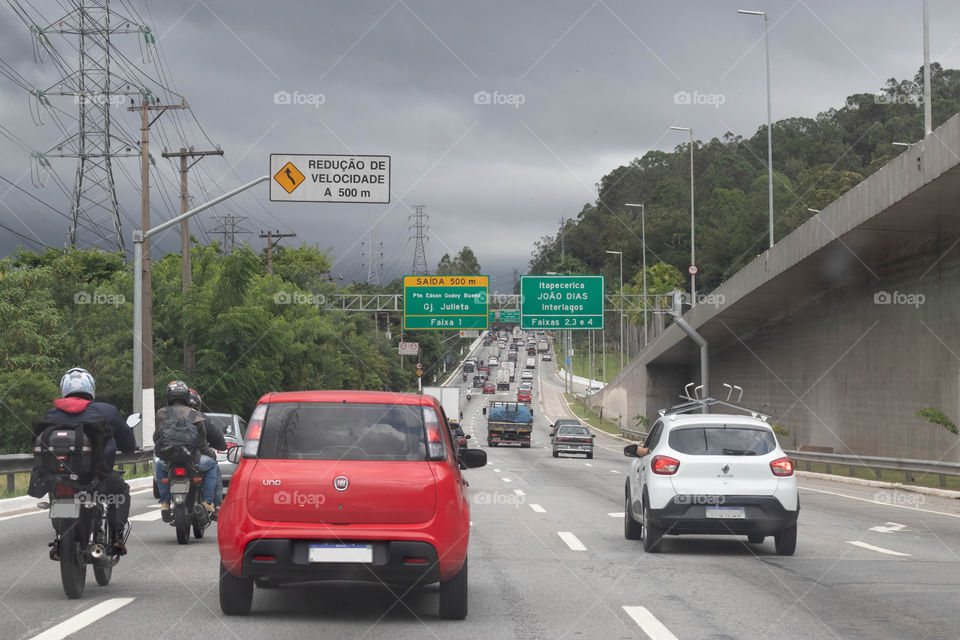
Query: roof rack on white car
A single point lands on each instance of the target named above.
(695, 401)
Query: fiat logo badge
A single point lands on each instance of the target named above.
(340, 483)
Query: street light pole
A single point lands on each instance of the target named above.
(693, 255)
(643, 241)
(620, 253)
(766, 45)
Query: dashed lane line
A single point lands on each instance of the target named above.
(538, 508)
(871, 547)
(571, 540)
(654, 629)
(83, 619)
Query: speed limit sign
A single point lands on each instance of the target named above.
(692, 270)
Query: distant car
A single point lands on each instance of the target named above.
(459, 437)
(524, 396)
(527, 374)
(233, 428)
(477, 381)
(347, 486)
(493, 361)
(547, 357)
(571, 438)
(484, 368)
(531, 351)
(489, 388)
(562, 421)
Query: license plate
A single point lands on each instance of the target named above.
(179, 486)
(64, 509)
(340, 552)
(735, 513)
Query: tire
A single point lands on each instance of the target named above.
(786, 541)
(590, 456)
(755, 538)
(652, 534)
(198, 531)
(556, 454)
(103, 574)
(236, 594)
(632, 530)
(73, 570)
(181, 520)
(156, 489)
(453, 595)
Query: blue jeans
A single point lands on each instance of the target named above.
(207, 466)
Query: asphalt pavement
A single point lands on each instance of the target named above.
(547, 560)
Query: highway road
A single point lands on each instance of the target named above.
(547, 560)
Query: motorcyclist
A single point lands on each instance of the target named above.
(177, 395)
(76, 406)
(214, 436)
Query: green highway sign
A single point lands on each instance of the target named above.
(493, 316)
(510, 315)
(445, 302)
(561, 302)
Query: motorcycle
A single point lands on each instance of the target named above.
(186, 512)
(469, 395)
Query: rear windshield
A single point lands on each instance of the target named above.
(574, 431)
(722, 440)
(343, 431)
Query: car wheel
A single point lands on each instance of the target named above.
(236, 594)
(453, 595)
(652, 534)
(632, 530)
(786, 541)
(755, 538)
(590, 456)
(556, 454)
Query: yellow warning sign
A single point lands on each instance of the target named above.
(289, 177)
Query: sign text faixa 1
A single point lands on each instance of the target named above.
(330, 178)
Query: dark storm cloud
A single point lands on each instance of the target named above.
(575, 89)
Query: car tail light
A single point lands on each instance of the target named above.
(435, 447)
(782, 467)
(179, 472)
(664, 465)
(63, 491)
(251, 442)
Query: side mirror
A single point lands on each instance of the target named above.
(468, 436)
(473, 458)
(593, 436)
(133, 420)
(630, 451)
(234, 453)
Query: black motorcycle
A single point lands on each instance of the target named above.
(186, 510)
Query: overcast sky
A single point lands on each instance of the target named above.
(584, 87)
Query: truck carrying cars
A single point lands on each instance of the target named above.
(449, 398)
(503, 379)
(509, 423)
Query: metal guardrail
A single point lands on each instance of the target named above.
(23, 463)
(633, 435)
(877, 464)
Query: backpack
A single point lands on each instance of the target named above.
(67, 453)
(177, 439)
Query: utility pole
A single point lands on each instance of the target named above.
(270, 235)
(147, 298)
(186, 273)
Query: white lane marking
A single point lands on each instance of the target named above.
(20, 515)
(890, 527)
(886, 504)
(616, 515)
(588, 464)
(81, 620)
(149, 516)
(538, 508)
(864, 545)
(519, 492)
(654, 629)
(506, 479)
(614, 471)
(572, 541)
(496, 470)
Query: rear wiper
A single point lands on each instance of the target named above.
(739, 452)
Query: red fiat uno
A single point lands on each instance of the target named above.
(347, 485)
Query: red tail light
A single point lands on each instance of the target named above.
(251, 442)
(782, 467)
(664, 465)
(63, 491)
(435, 447)
(180, 472)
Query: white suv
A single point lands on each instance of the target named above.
(711, 474)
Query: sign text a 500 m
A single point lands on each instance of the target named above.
(329, 178)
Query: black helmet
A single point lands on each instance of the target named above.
(178, 393)
(194, 400)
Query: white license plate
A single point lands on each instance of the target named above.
(179, 486)
(735, 513)
(64, 509)
(340, 552)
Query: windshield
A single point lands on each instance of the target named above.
(574, 431)
(343, 431)
(722, 440)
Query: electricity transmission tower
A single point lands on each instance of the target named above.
(230, 227)
(95, 88)
(374, 256)
(420, 230)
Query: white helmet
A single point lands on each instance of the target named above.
(77, 381)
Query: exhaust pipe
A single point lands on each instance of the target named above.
(97, 551)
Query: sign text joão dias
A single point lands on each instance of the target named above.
(329, 178)
(561, 302)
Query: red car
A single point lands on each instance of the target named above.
(489, 387)
(346, 485)
(524, 396)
